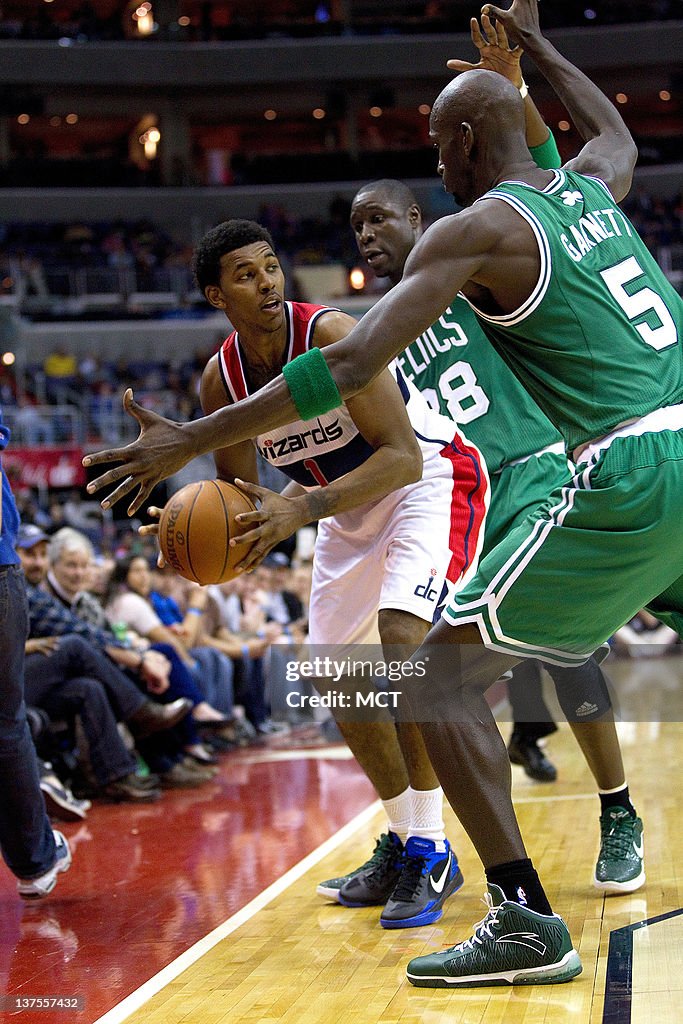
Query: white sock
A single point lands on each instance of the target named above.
(427, 816)
(398, 811)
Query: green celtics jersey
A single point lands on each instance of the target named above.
(598, 341)
(460, 374)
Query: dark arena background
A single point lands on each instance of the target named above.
(127, 130)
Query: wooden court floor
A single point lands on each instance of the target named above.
(234, 932)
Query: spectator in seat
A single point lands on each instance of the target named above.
(156, 724)
(128, 602)
(60, 677)
(60, 368)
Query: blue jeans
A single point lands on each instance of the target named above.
(214, 678)
(75, 679)
(28, 846)
(250, 689)
(164, 749)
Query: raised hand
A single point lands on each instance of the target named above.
(160, 450)
(520, 21)
(495, 52)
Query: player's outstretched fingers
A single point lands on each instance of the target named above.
(520, 21)
(466, 65)
(151, 529)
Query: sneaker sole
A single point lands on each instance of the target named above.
(359, 906)
(63, 866)
(428, 916)
(554, 974)
(612, 888)
(328, 893)
(64, 811)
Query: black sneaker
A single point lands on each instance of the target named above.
(372, 884)
(130, 788)
(529, 755)
(428, 878)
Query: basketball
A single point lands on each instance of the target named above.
(196, 527)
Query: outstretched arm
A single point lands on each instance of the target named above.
(381, 417)
(448, 254)
(380, 414)
(610, 152)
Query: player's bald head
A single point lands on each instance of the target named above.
(482, 98)
(478, 124)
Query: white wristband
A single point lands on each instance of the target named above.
(524, 90)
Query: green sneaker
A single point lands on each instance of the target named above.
(511, 946)
(387, 852)
(620, 862)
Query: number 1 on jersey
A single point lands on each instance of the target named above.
(316, 472)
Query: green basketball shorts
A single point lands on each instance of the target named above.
(522, 489)
(604, 545)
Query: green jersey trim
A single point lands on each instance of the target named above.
(668, 417)
(556, 183)
(484, 611)
(488, 632)
(599, 181)
(545, 256)
(559, 448)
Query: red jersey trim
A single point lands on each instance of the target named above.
(301, 320)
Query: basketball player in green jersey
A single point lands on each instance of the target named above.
(580, 311)
(462, 376)
(453, 364)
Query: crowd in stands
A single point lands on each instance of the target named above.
(659, 221)
(44, 261)
(224, 20)
(40, 260)
(138, 681)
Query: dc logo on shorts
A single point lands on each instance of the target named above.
(426, 590)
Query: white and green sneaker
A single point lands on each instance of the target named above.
(620, 863)
(512, 945)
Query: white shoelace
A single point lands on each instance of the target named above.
(481, 928)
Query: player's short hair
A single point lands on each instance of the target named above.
(224, 238)
(392, 188)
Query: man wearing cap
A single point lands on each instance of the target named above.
(31, 849)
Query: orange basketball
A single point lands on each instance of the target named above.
(195, 530)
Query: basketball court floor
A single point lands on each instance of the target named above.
(201, 909)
